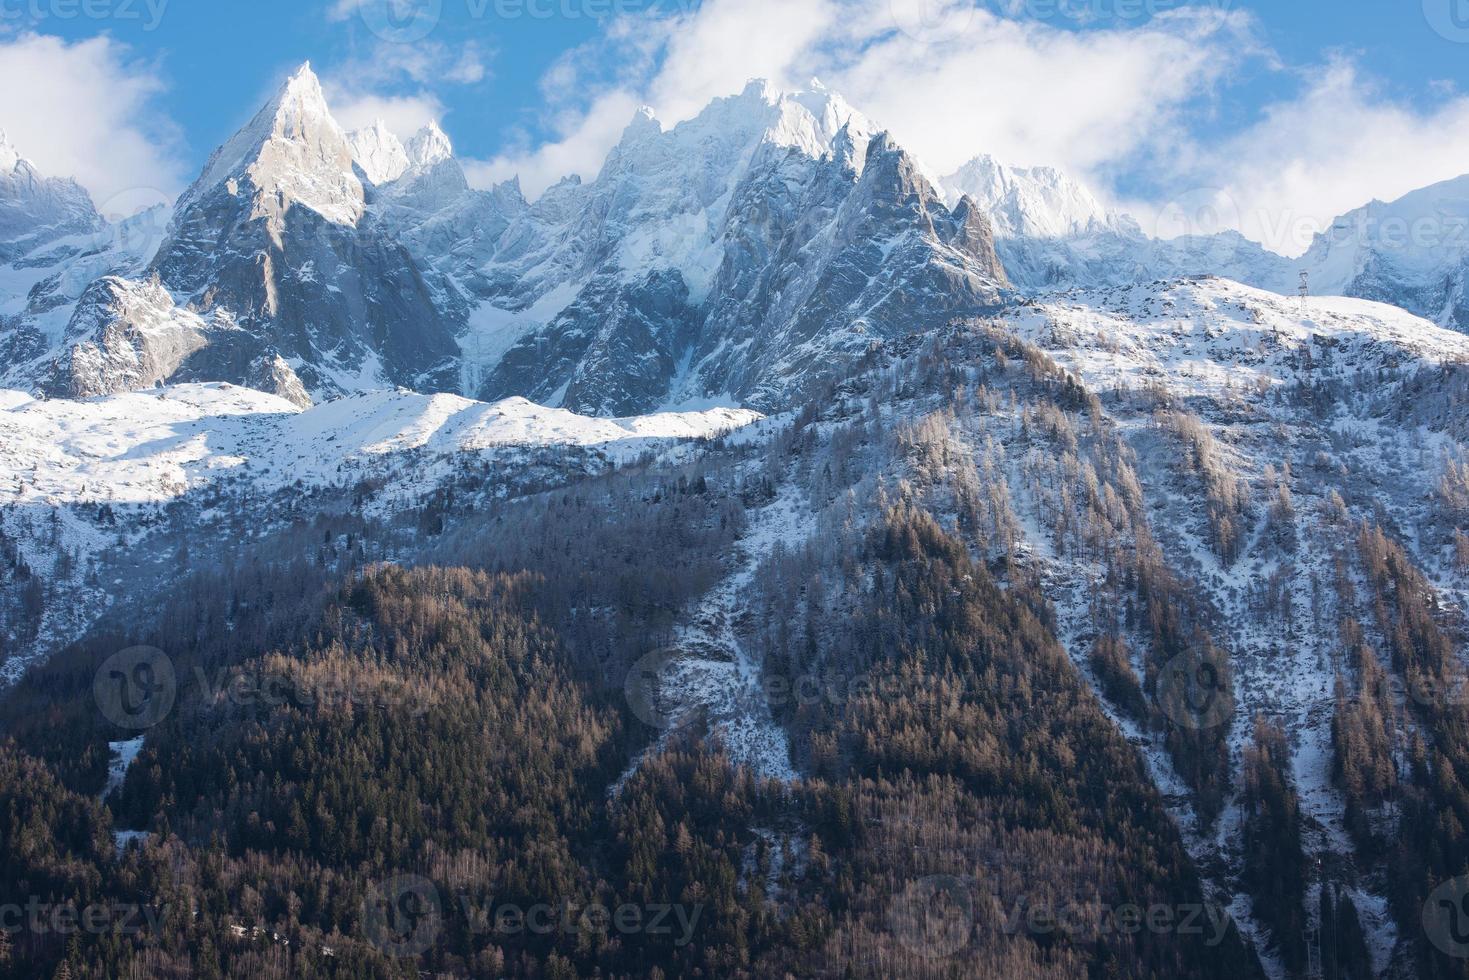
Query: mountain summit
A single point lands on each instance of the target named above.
(741, 255)
(292, 154)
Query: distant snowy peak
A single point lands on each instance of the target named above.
(1036, 202)
(384, 159)
(379, 154)
(429, 146)
(9, 155)
(1412, 252)
(36, 210)
(815, 121)
(811, 120)
(293, 153)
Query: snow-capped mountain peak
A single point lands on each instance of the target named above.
(1035, 202)
(810, 119)
(1412, 252)
(644, 122)
(378, 153)
(292, 153)
(430, 145)
(36, 210)
(9, 155)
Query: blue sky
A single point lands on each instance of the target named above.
(1287, 112)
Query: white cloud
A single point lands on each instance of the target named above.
(1333, 148)
(396, 83)
(1032, 94)
(949, 81)
(1134, 106)
(87, 110)
(588, 136)
(403, 114)
(423, 63)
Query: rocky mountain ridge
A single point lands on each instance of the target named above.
(735, 258)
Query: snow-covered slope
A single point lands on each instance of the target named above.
(1208, 337)
(90, 487)
(155, 444)
(1295, 426)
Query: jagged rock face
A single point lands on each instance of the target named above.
(614, 350)
(270, 373)
(861, 259)
(53, 245)
(126, 335)
(796, 249)
(743, 255)
(342, 302)
(447, 226)
(378, 154)
(272, 233)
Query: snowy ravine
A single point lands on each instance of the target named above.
(1069, 582)
(123, 755)
(709, 671)
(1233, 358)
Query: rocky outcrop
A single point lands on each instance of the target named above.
(272, 233)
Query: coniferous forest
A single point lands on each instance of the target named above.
(350, 763)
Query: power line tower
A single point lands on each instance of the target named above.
(1305, 290)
